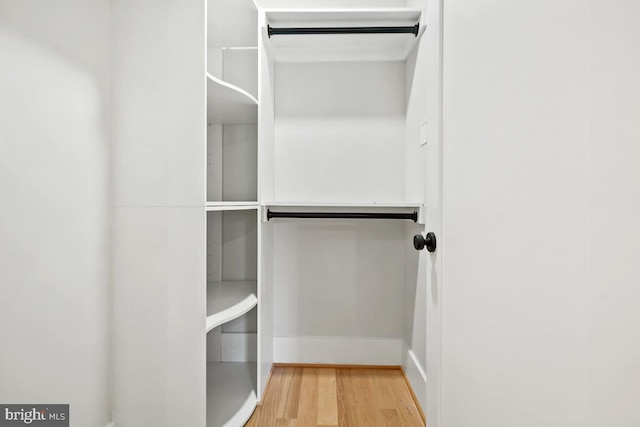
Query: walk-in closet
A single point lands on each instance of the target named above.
(328, 213)
(309, 218)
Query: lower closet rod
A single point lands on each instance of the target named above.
(343, 215)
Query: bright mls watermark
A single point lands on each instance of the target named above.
(34, 415)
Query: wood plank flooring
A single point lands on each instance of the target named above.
(336, 397)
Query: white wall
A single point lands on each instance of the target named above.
(328, 118)
(54, 221)
(614, 232)
(355, 268)
(159, 222)
(339, 128)
(540, 213)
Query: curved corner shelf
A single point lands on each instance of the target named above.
(228, 104)
(231, 393)
(228, 300)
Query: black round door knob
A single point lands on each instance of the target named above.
(429, 241)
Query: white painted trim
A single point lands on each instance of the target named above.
(417, 378)
(338, 350)
(112, 424)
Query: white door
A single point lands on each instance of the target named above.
(541, 195)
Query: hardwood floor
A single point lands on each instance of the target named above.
(344, 397)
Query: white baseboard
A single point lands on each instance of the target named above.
(111, 425)
(338, 350)
(417, 378)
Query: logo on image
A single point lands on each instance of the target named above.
(34, 415)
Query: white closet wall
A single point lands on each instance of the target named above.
(339, 130)
(338, 285)
(159, 224)
(54, 220)
(338, 292)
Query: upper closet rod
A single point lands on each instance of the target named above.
(342, 215)
(412, 29)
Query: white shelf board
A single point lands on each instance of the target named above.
(228, 300)
(229, 104)
(231, 393)
(343, 47)
(231, 206)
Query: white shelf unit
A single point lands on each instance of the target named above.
(232, 105)
(232, 212)
(231, 324)
(333, 109)
(333, 117)
(328, 135)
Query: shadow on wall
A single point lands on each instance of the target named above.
(416, 265)
(55, 99)
(54, 182)
(355, 269)
(72, 29)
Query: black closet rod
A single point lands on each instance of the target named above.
(343, 215)
(412, 29)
